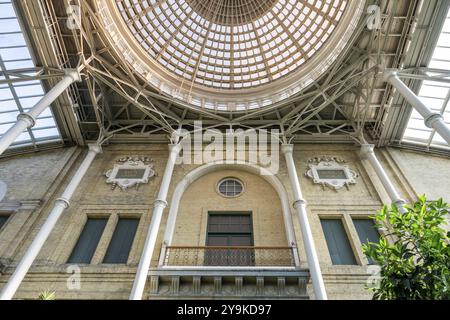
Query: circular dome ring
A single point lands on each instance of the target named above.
(230, 55)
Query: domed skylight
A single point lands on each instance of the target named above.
(224, 54)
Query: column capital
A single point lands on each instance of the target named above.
(367, 149)
(175, 147)
(160, 203)
(298, 203)
(64, 202)
(28, 118)
(95, 147)
(389, 73)
(74, 74)
(287, 148)
(399, 202)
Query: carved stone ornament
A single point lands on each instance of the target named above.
(130, 171)
(331, 172)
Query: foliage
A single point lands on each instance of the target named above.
(47, 295)
(415, 265)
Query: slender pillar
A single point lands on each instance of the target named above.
(433, 120)
(28, 120)
(159, 206)
(300, 207)
(61, 204)
(367, 152)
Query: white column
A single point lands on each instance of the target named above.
(367, 152)
(433, 120)
(27, 120)
(61, 204)
(159, 206)
(308, 240)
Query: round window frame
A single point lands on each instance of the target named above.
(230, 178)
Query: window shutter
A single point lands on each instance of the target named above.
(338, 244)
(121, 242)
(87, 243)
(3, 220)
(366, 232)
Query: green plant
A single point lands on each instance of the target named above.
(415, 265)
(47, 295)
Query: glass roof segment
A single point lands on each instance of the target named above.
(201, 51)
(244, 52)
(19, 97)
(435, 95)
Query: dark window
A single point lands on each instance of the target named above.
(338, 244)
(3, 220)
(121, 242)
(367, 232)
(229, 232)
(88, 241)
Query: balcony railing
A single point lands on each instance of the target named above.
(229, 256)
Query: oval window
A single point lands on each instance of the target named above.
(230, 187)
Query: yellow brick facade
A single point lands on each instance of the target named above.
(35, 181)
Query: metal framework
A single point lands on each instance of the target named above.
(230, 55)
(185, 256)
(20, 82)
(349, 101)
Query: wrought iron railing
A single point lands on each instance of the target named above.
(229, 256)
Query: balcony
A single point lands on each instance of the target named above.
(188, 272)
(187, 256)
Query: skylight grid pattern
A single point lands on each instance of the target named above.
(19, 97)
(228, 44)
(435, 95)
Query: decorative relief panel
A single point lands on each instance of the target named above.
(130, 171)
(331, 172)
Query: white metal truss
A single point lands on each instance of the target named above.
(20, 82)
(348, 101)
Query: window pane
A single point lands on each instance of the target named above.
(3, 220)
(20, 96)
(230, 187)
(229, 230)
(367, 232)
(88, 241)
(338, 244)
(433, 94)
(231, 223)
(121, 242)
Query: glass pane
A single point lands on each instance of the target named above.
(433, 94)
(121, 242)
(20, 96)
(367, 232)
(3, 220)
(230, 187)
(88, 241)
(231, 223)
(338, 244)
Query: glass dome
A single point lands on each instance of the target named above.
(230, 55)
